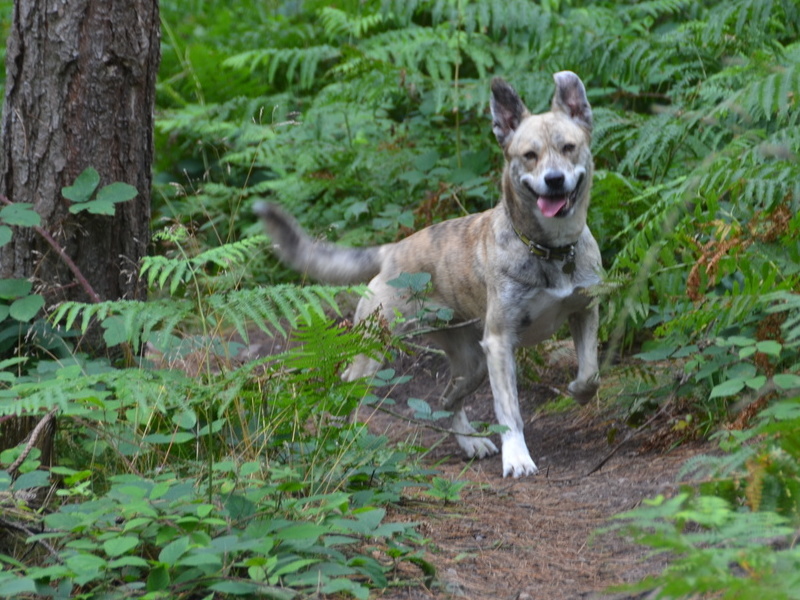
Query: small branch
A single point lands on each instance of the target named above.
(32, 439)
(87, 287)
(29, 532)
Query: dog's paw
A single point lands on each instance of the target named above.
(517, 461)
(476, 447)
(584, 391)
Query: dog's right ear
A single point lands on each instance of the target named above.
(507, 110)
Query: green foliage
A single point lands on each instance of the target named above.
(445, 489)
(197, 471)
(272, 495)
(716, 550)
(733, 536)
(203, 293)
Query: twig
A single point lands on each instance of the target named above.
(628, 437)
(87, 287)
(14, 525)
(32, 439)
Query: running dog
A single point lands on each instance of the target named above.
(512, 275)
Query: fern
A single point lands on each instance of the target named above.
(273, 308)
(339, 24)
(300, 65)
(160, 271)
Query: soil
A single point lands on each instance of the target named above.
(535, 537)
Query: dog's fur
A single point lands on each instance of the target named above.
(481, 268)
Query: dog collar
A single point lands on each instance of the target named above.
(565, 253)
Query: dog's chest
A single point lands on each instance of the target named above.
(539, 313)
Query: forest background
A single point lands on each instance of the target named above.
(368, 120)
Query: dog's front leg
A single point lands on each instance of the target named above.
(499, 349)
(583, 327)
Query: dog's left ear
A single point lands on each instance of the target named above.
(570, 98)
(507, 110)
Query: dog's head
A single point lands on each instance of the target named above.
(548, 158)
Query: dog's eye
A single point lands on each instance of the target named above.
(530, 155)
(567, 148)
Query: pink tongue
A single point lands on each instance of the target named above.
(551, 206)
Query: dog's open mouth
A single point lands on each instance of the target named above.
(551, 206)
(559, 205)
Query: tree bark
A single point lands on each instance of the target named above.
(80, 92)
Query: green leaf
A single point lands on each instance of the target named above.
(86, 566)
(770, 347)
(420, 407)
(119, 546)
(115, 331)
(107, 198)
(128, 561)
(83, 187)
(414, 282)
(33, 479)
(26, 308)
(174, 550)
(20, 214)
(158, 579)
(728, 388)
(201, 559)
(302, 531)
(14, 288)
(117, 192)
(5, 234)
(237, 588)
(756, 383)
(786, 381)
(179, 437)
(735, 340)
(657, 353)
(14, 586)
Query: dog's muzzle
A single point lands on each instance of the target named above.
(554, 202)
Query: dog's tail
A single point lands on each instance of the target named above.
(322, 261)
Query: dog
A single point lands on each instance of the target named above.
(511, 275)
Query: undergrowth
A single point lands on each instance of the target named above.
(194, 467)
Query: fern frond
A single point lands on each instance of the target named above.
(703, 465)
(160, 270)
(298, 64)
(770, 96)
(273, 308)
(338, 23)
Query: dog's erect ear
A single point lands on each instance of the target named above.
(507, 110)
(570, 98)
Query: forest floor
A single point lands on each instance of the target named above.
(536, 537)
(533, 538)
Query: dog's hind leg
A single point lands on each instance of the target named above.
(467, 373)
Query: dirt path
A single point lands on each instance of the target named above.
(530, 538)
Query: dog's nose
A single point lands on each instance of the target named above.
(554, 179)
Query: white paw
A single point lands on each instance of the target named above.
(517, 461)
(584, 391)
(473, 447)
(476, 447)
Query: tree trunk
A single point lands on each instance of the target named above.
(80, 92)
